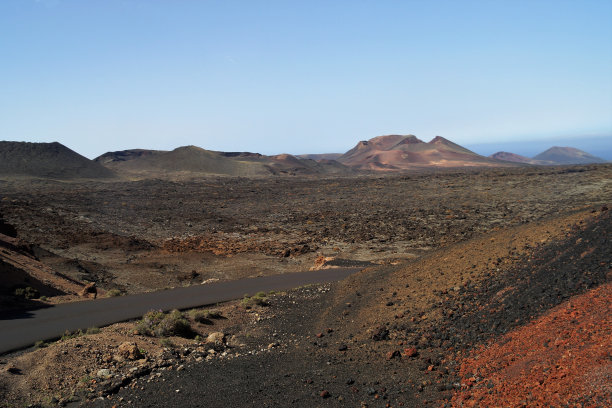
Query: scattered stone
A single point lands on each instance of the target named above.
(104, 373)
(411, 352)
(234, 341)
(319, 335)
(380, 333)
(216, 338)
(343, 347)
(325, 394)
(393, 354)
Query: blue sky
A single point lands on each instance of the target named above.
(305, 76)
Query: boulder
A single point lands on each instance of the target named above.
(129, 351)
(89, 290)
(216, 338)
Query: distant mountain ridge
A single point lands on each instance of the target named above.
(556, 155)
(568, 155)
(320, 156)
(405, 152)
(47, 160)
(382, 153)
(195, 160)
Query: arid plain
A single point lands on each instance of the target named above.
(431, 243)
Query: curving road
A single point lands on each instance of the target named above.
(21, 330)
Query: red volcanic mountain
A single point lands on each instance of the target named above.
(398, 152)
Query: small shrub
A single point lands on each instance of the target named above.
(246, 302)
(174, 324)
(158, 324)
(259, 299)
(166, 343)
(71, 335)
(113, 293)
(40, 344)
(200, 316)
(92, 330)
(86, 379)
(43, 298)
(27, 293)
(149, 322)
(214, 314)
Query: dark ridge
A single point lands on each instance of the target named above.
(47, 160)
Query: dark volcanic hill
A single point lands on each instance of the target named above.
(194, 160)
(397, 152)
(320, 156)
(568, 155)
(47, 160)
(125, 155)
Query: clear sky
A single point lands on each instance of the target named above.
(303, 76)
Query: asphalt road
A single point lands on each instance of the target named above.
(21, 330)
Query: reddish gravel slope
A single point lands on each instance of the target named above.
(560, 359)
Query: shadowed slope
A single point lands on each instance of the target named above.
(47, 160)
(192, 160)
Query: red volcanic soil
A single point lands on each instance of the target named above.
(560, 359)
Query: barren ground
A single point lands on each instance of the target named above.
(459, 260)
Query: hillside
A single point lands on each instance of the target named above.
(125, 155)
(397, 152)
(517, 158)
(568, 155)
(192, 160)
(47, 160)
(320, 156)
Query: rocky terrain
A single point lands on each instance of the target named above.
(461, 268)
